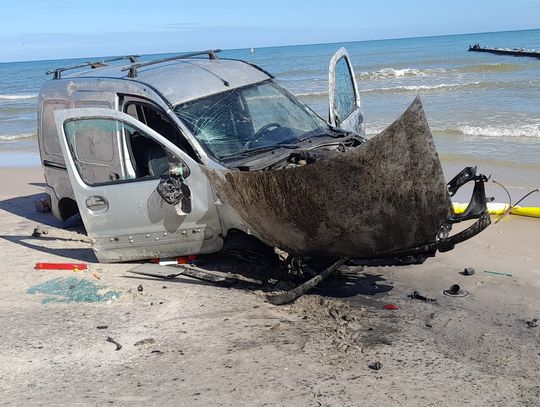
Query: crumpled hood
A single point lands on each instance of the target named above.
(387, 194)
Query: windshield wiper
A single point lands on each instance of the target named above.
(258, 150)
(332, 133)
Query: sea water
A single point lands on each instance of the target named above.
(483, 109)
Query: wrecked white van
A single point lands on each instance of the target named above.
(188, 154)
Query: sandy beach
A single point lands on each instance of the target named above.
(207, 345)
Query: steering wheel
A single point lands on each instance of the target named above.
(260, 133)
(265, 129)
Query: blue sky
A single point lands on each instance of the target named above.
(33, 30)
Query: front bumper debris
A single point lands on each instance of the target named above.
(382, 202)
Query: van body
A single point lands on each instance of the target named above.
(128, 146)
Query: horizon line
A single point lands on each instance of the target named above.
(284, 46)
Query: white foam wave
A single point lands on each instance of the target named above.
(416, 88)
(306, 94)
(405, 88)
(18, 97)
(386, 73)
(526, 130)
(9, 137)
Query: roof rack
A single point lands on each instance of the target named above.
(95, 64)
(212, 54)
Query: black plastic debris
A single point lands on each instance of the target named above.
(375, 366)
(417, 296)
(102, 326)
(140, 288)
(532, 323)
(455, 291)
(111, 340)
(38, 231)
(467, 271)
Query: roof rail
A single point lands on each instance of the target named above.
(212, 54)
(95, 64)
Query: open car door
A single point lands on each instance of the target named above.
(123, 174)
(344, 99)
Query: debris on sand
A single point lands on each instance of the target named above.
(140, 288)
(455, 291)
(291, 295)
(38, 231)
(467, 271)
(417, 296)
(390, 306)
(42, 205)
(111, 340)
(169, 272)
(61, 266)
(532, 323)
(145, 342)
(497, 273)
(375, 366)
(72, 289)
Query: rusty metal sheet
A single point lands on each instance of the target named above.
(386, 195)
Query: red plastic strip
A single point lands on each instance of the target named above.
(61, 266)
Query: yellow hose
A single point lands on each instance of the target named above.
(495, 208)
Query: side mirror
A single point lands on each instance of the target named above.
(173, 190)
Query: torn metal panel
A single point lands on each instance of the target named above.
(386, 195)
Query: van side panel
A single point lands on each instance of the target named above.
(86, 92)
(56, 176)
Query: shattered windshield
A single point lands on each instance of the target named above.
(253, 118)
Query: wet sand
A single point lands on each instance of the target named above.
(227, 346)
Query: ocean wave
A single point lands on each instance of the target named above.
(311, 94)
(416, 88)
(11, 137)
(386, 73)
(404, 88)
(526, 130)
(389, 73)
(18, 97)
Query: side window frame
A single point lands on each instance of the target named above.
(171, 156)
(49, 137)
(351, 82)
(333, 119)
(182, 141)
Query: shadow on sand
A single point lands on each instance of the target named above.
(82, 254)
(23, 206)
(352, 283)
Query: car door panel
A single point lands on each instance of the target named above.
(344, 99)
(125, 217)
